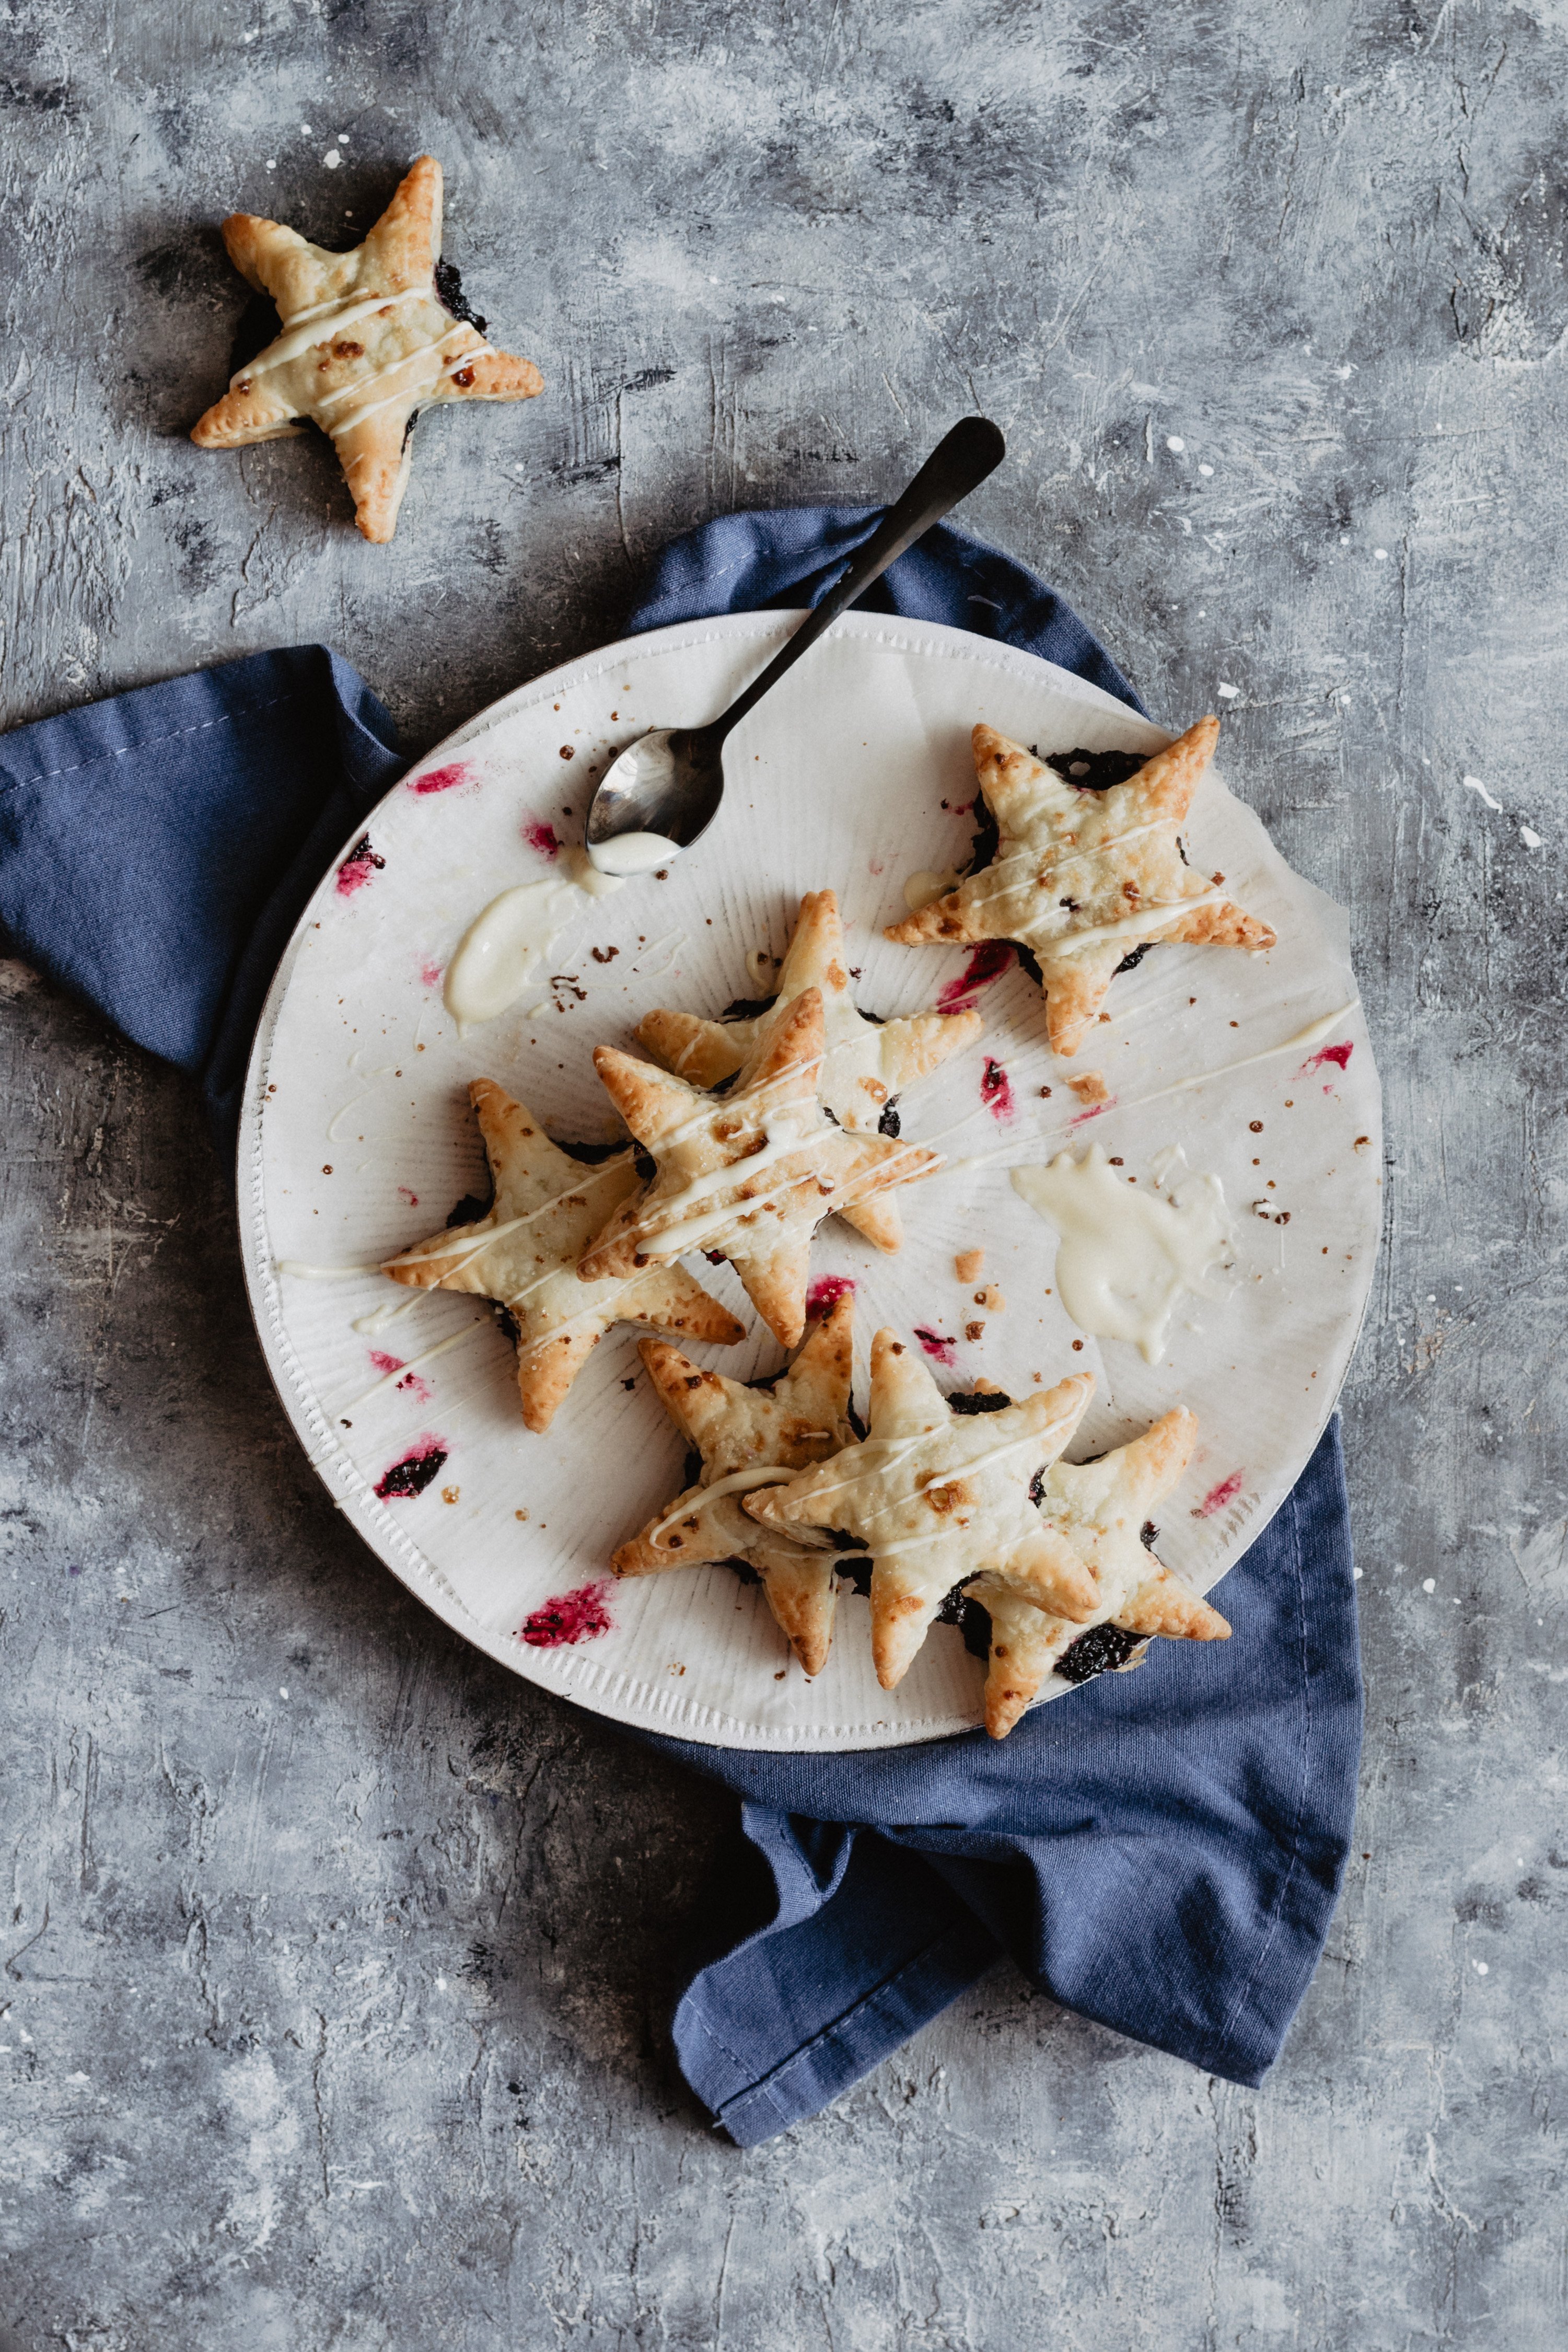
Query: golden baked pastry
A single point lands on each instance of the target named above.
(524, 1254)
(866, 1064)
(936, 1496)
(366, 342)
(743, 1434)
(1101, 1510)
(1082, 878)
(750, 1175)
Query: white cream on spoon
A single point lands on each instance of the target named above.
(628, 854)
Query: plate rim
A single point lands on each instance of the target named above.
(570, 1674)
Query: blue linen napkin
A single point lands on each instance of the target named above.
(1160, 1850)
(156, 849)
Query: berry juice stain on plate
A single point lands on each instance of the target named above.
(359, 866)
(1217, 1496)
(569, 1618)
(997, 1090)
(439, 779)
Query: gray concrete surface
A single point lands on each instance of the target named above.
(336, 2019)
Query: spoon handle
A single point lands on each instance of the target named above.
(958, 464)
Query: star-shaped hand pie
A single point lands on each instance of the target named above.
(866, 1064)
(750, 1175)
(1101, 1511)
(748, 1438)
(938, 1496)
(524, 1255)
(366, 342)
(1086, 878)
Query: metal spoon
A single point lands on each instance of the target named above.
(662, 792)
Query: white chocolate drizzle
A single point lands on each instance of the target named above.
(1126, 1255)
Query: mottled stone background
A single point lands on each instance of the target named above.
(333, 1962)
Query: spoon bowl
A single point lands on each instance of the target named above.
(656, 798)
(663, 791)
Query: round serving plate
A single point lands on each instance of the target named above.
(357, 1141)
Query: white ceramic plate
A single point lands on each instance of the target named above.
(357, 1141)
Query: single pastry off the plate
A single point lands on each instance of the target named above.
(749, 1175)
(939, 1497)
(748, 1438)
(524, 1254)
(1086, 878)
(866, 1064)
(367, 341)
(1101, 1510)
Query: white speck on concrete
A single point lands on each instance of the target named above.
(1474, 784)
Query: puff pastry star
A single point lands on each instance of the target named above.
(525, 1255)
(1099, 1510)
(750, 1175)
(749, 1437)
(939, 1497)
(1084, 879)
(366, 342)
(866, 1064)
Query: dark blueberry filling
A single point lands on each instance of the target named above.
(412, 1476)
(1095, 772)
(888, 1124)
(470, 1209)
(1036, 1488)
(1131, 963)
(748, 1008)
(450, 295)
(1102, 1648)
(408, 429)
(647, 1166)
(592, 1155)
(833, 1117)
(994, 1402)
(509, 1323)
(974, 1621)
(1148, 1535)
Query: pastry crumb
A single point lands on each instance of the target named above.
(990, 1299)
(967, 1265)
(1089, 1086)
(450, 1494)
(974, 1331)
